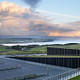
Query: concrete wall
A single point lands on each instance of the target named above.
(62, 51)
(65, 62)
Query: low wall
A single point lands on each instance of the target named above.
(66, 62)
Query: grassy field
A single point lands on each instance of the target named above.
(76, 78)
(5, 50)
(75, 46)
(51, 56)
(37, 49)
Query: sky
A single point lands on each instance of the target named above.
(68, 10)
(40, 17)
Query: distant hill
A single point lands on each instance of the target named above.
(23, 39)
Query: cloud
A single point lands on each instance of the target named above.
(32, 3)
(59, 17)
(15, 20)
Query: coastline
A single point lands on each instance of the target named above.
(42, 43)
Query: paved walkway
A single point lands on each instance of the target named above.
(25, 68)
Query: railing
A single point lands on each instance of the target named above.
(65, 76)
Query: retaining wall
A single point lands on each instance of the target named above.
(66, 62)
(62, 51)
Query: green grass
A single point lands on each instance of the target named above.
(75, 78)
(40, 49)
(52, 56)
(31, 51)
(5, 51)
(76, 46)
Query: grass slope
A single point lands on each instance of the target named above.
(75, 78)
(51, 56)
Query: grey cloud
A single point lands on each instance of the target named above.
(32, 3)
(49, 27)
(60, 29)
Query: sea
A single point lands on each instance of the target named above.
(26, 42)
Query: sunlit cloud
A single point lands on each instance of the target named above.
(15, 20)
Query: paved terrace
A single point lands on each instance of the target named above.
(21, 68)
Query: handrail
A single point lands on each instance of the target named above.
(52, 77)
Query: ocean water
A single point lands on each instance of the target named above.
(41, 43)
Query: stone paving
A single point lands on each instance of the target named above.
(11, 68)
